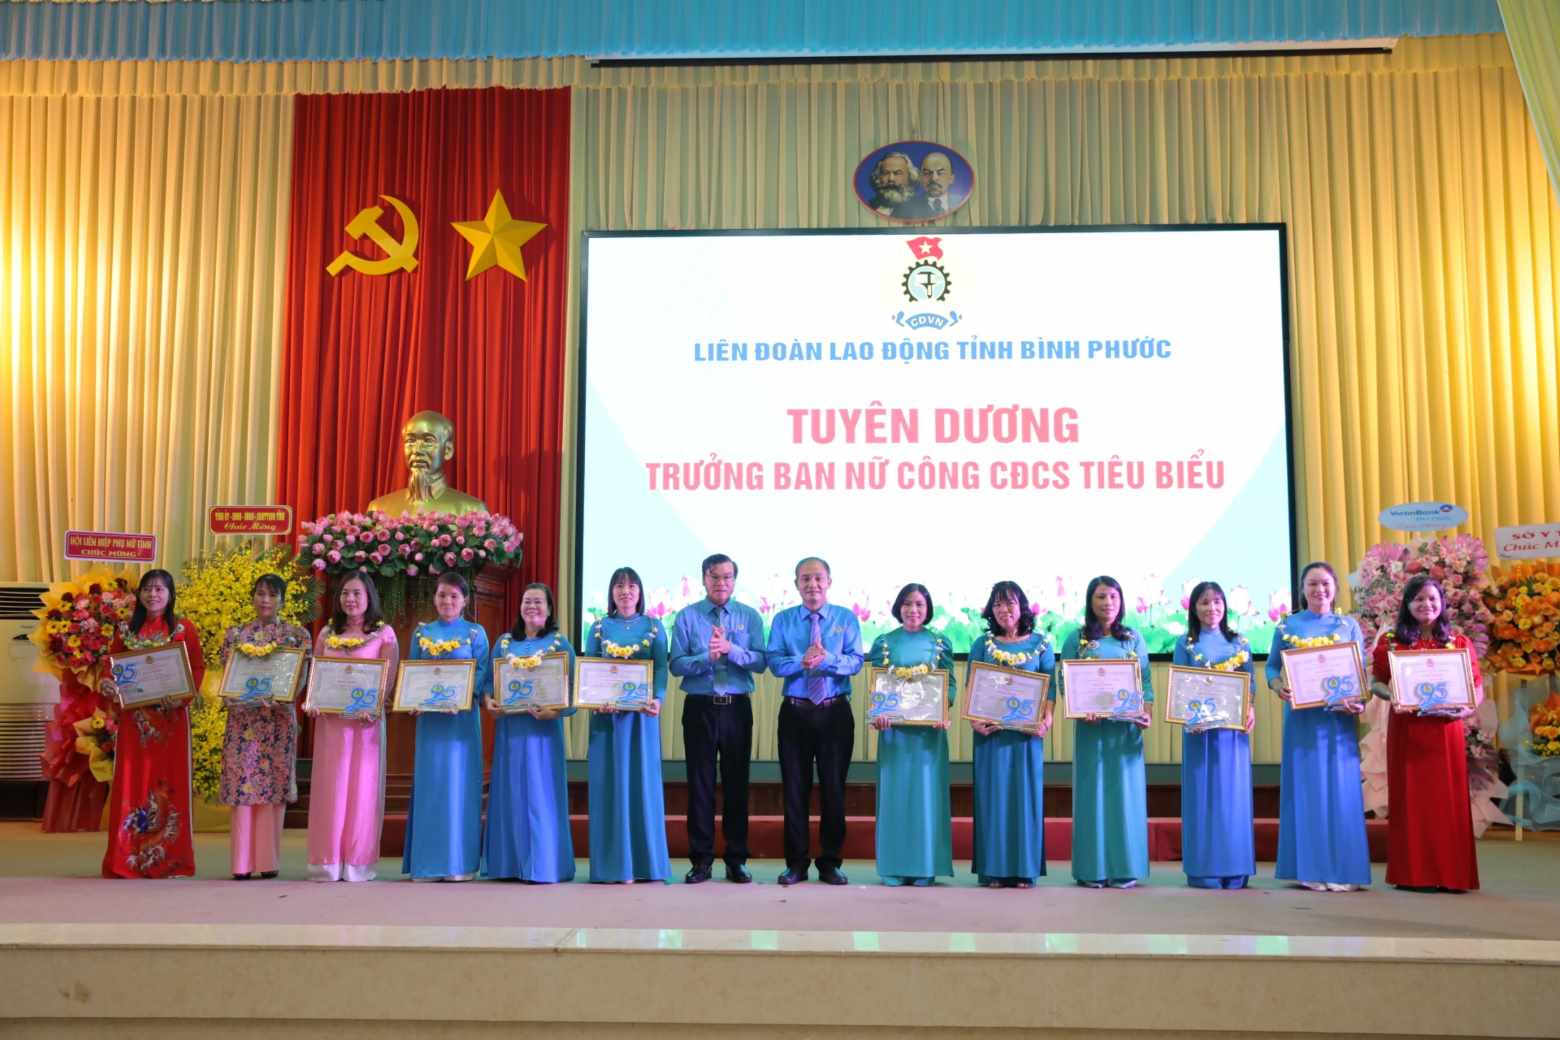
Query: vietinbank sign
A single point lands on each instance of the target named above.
(1423, 516)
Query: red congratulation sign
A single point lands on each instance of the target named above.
(112, 546)
(250, 519)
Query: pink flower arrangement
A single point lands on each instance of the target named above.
(408, 545)
(1461, 564)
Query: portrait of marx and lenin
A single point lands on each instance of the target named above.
(914, 182)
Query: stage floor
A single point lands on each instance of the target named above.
(53, 877)
(866, 960)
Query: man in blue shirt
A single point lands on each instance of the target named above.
(815, 648)
(717, 649)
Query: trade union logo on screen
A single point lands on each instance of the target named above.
(928, 283)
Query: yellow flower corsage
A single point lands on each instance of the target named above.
(913, 672)
(1232, 663)
(525, 662)
(336, 642)
(438, 647)
(1010, 660)
(1303, 642)
(256, 649)
(622, 652)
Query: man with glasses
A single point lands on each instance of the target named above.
(717, 649)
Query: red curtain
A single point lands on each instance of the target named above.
(363, 352)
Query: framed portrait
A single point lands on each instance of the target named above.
(914, 182)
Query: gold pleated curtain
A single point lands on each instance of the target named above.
(142, 240)
(1424, 246)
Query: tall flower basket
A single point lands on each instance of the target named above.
(78, 619)
(1525, 603)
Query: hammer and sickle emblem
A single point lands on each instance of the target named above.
(399, 256)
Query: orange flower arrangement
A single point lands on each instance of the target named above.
(1544, 724)
(1524, 600)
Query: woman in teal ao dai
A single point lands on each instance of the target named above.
(914, 818)
(1321, 808)
(1217, 847)
(1009, 820)
(444, 824)
(1110, 787)
(528, 798)
(627, 810)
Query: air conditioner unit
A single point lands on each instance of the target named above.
(27, 697)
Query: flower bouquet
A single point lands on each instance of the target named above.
(1524, 602)
(79, 619)
(95, 738)
(1544, 728)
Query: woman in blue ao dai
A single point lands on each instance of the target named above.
(1321, 807)
(914, 818)
(1009, 840)
(528, 797)
(627, 808)
(1217, 847)
(444, 824)
(1110, 787)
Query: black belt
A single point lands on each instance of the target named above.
(809, 702)
(719, 700)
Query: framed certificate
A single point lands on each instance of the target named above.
(544, 686)
(440, 684)
(919, 700)
(275, 677)
(147, 676)
(347, 685)
(1321, 675)
(1005, 697)
(1094, 686)
(611, 682)
(1431, 680)
(1208, 698)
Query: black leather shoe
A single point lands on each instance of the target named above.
(792, 876)
(268, 874)
(832, 876)
(698, 875)
(737, 873)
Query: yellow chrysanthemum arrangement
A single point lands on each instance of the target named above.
(1544, 725)
(1525, 635)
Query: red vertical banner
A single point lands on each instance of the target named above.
(393, 309)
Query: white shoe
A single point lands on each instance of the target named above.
(1333, 886)
(1127, 883)
(324, 871)
(357, 873)
(1314, 886)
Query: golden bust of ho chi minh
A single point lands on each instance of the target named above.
(428, 441)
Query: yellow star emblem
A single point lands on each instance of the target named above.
(496, 239)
